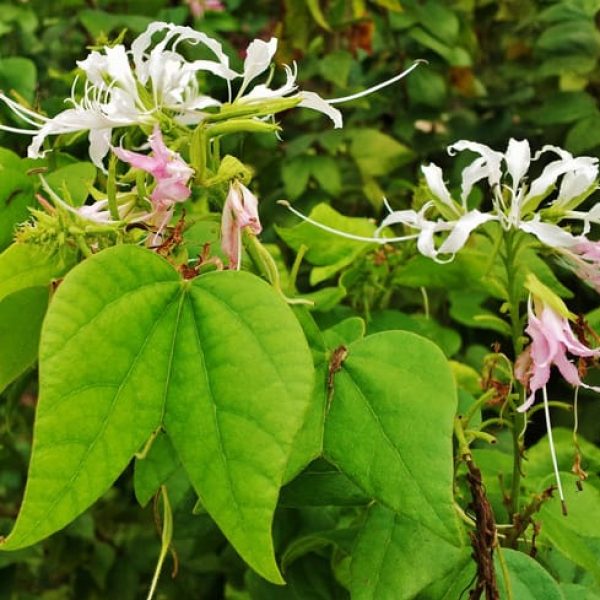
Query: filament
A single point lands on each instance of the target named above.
(350, 236)
(553, 451)
(377, 87)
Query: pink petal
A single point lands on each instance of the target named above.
(567, 369)
(168, 191)
(157, 144)
(138, 161)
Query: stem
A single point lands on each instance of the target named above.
(111, 189)
(511, 244)
(167, 536)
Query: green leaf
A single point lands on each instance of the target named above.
(25, 265)
(335, 67)
(295, 174)
(577, 536)
(396, 557)
(377, 153)
(19, 74)
(99, 22)
(570, 39)
(528, 579)
(326, 249)
(345, 332)
(317, 14)
(326, 171)
(427, 88)
(321, 484)
(75, 179)
(309, 578)
(573, 591)
(439, 20)
(16, 194)
(308, 443)
(10, 160)
(539, 459)
(315, 542)
(219, 361)
(564, 107)
(21, 316)
(454, 55)
(466, 308)
(584, 135)
(447, 339)
(396, 394)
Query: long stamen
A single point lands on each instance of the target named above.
(553, 452)
(17, 130)
(350, 236)
(377, 87)
(24, 113)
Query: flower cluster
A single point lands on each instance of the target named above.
(154, 87)
(154, 83)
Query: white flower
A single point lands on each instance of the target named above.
(515, 204)
(117, 95)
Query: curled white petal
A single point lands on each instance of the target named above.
(485, 167)
(314, 101)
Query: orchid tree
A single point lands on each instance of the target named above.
(172, 338)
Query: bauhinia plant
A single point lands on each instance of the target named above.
(183, 345)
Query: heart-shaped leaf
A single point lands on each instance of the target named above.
(220, 362)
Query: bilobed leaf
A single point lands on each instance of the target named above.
(21, 316)
(396, 557)
(127, 347)
(389, 427)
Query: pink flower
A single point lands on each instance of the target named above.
(199, 7)
(551, 339)
(584, 259)
(170, 171)
(240, 210)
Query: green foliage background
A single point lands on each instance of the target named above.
(494, 70)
